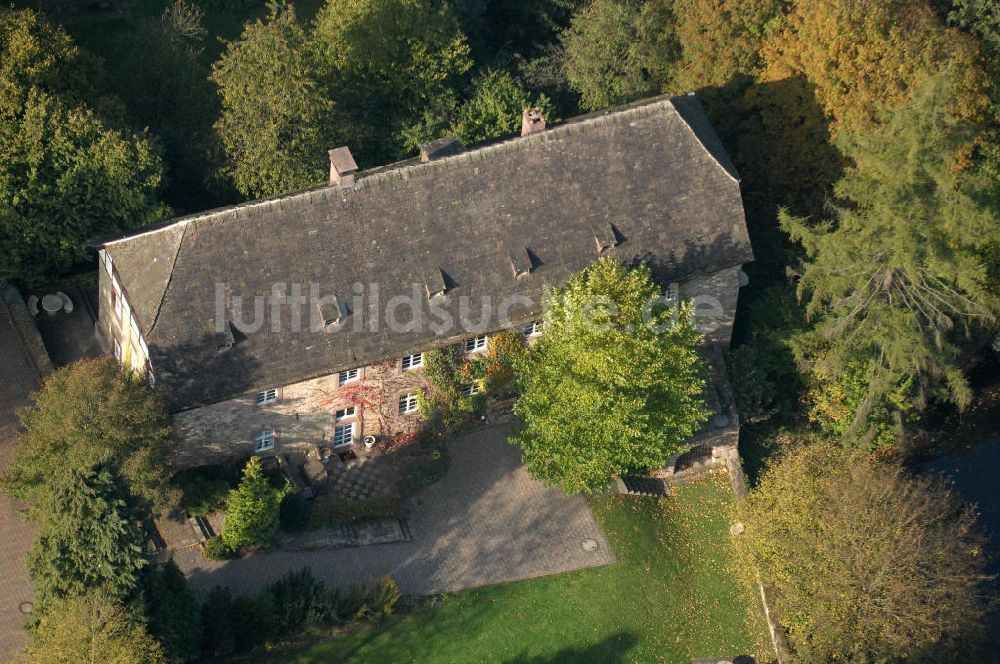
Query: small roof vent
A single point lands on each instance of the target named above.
(442, 147)
(342, 168)
(332, 311)
(520, 262)
(436, 283)
(606, 237)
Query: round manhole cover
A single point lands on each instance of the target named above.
(589, 544)
(26, 607)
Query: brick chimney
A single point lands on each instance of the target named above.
(342, 168)
(532, 121)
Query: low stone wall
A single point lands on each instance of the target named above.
(26, 329)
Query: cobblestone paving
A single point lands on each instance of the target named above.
(485, 522)
(18, 377)
(365, 477)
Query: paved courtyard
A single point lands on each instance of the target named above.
(485, 522)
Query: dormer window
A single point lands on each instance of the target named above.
(475, 344)
(412, 361)
(265, 397)
(348, 376)
(520, 263)
(225, 339)
(435, 284)
(606, 237)
(333, 311)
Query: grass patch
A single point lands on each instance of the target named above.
(671, 596)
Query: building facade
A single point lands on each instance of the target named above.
(301, 320)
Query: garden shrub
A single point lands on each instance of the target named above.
(294, 512)
(372, 600)
(253, 509)
(204, 488)
(218, 634)
(328, 510)
(254, 620)
(216, 549)
(174, 613)
(303, 602)
(753, 388)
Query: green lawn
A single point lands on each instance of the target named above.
(669, 598)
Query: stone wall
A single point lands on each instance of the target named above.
(303, 415)
(715, 299)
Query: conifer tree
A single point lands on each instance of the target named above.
(252, 509)
(899, 276)
(89, 537)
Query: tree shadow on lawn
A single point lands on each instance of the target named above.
(611, 649)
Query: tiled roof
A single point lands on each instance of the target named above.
(650, 182)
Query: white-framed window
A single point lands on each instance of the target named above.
(266, 397)
(412, 361)
(471, 388)
(344, 413)
(343, 434)
(116, 297)
(348, 376)
(263, 440)
(408, 403)
(475, 344)
(532, 329)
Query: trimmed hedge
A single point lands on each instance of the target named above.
(327, 511)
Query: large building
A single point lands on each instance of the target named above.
(301, 320)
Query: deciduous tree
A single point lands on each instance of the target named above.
(386, 63)
(277, 122)
(66, 173)
(869, 564)
(721, 39)
(613, 386)
(866, 56)
(618, 51)
(93, 628)
(85, 411)
(495, 106)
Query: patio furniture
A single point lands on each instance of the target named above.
(67, 303)
(33, 305)
(51, 303)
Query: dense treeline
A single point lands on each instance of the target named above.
(865, 131)
(842, 116)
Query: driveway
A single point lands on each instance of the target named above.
(485, 522)
(19, 376)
